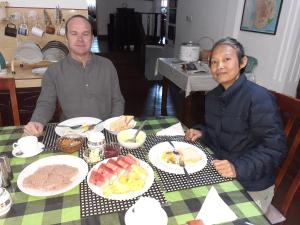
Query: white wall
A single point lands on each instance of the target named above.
(68, 4)
(105, 7)
(278, 55)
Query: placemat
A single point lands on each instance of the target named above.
(172, 182)
(50, 137)
(92, 204)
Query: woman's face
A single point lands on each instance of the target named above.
(225, 67)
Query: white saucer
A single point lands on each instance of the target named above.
(130, 219)
(40, 148)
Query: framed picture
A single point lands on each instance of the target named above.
(261, 16)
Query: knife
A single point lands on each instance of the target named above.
(181, 162)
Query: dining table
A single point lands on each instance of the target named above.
(81, 206)
(189, 82)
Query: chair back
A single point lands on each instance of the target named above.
(8, 84)
(290, 111)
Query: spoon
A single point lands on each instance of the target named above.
(133, 139)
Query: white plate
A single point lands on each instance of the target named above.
(40, 148)
(127, 196)
(78, 121)
(155, 155)
(53, 160)
(106, 124)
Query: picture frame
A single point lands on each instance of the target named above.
(261, 16)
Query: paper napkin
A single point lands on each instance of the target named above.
(214, 210)
(173, 130)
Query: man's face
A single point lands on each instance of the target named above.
(79, 37)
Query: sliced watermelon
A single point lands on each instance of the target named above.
(97, 179)
(112, 164)
(123, 163)
(130, 159)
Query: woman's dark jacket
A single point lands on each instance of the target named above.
(243, 125)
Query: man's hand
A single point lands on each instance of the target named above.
(224, 168)
(192, 134)
(34, 128)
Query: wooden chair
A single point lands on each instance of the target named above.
(290, 110)
(8, 84)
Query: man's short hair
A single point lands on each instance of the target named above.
(77, 16)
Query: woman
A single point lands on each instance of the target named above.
(243, 127)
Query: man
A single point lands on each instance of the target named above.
(83, 83)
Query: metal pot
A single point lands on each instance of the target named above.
(189, 52)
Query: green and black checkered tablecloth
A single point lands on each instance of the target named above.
(65, 208)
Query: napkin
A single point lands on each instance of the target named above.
(173, 130)
(214, 210)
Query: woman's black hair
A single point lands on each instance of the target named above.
(234, 44)
(78, 16)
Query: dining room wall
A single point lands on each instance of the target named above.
(278, 55)
(105, 7)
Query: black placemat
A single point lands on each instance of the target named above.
(50, 137)
(172, 182)
(92, 204)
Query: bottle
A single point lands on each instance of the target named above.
(5, 182)
(8, 169)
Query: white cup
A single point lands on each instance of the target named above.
(95, 139)
(37, 31)
(61, 31)
(27, 144)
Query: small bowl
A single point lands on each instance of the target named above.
(70, 143)
(111, 149)
(93, 155)
(126, 134)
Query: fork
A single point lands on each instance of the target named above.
(181, 162)
(72, 127)
(91, 126)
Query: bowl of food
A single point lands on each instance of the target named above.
(70, 143)
(125, 136)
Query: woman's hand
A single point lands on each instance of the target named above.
(224, 168)
(34, 128)
(192, 134)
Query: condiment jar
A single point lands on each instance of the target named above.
(95, 140)
(5, 201)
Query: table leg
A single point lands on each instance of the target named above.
(187, 111)
(165, 87)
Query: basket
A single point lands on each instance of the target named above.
(205, 52)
